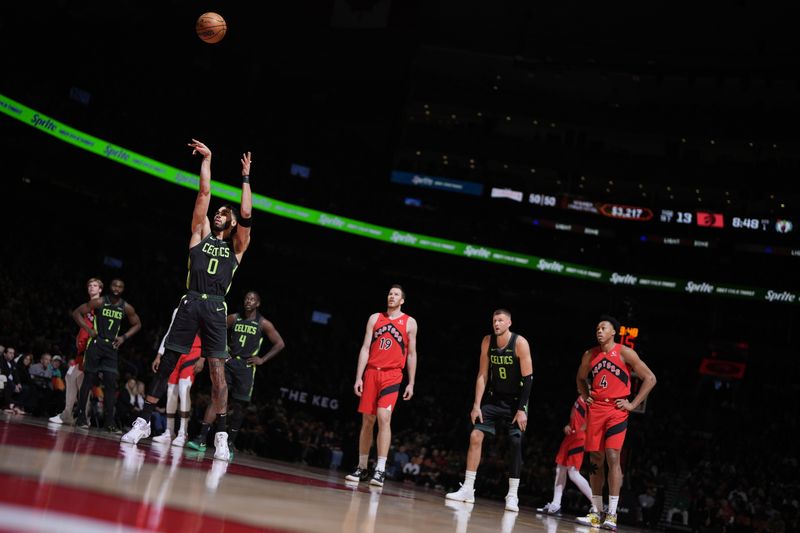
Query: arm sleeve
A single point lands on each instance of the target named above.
(525, 393)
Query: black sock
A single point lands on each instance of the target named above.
(222, 422)
(147, 411)
(203, 436)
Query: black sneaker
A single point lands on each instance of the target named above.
(377, 478)
(82, 423)
(113, 429)
(359, 474)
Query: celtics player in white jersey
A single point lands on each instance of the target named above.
(215, 252)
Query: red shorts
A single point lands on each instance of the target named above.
(380, 390)
(185, 367)
(606, 426)
(571, 451)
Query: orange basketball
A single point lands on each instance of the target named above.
(211, 27)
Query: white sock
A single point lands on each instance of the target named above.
(363, 461)
(612, 504)
(597, 503)
(513, 485)
(184, 425)
(558, 486)
(381, 464)
(581, 482)
(469, 479)
(558, 491)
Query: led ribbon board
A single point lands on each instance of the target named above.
(381, 233)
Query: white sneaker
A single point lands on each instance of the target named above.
(139, 431)
(164, 437)
(512, 503)
(507, 523)
(180, 440)
(221, 446)
(463, 494)
(549, 508)
(218, 469)
(56, 419)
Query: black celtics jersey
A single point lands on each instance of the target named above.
(246, 337)
(212, 264)
(108, 318)
(505, 375)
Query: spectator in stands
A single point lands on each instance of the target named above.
(8, 371)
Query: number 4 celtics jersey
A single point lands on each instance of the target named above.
(108, 318)
(212, 264)
(246, 337)
(505, 375)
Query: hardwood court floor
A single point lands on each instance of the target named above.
(58, 478)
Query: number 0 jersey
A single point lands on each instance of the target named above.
(212, 263)
(505, 376)
(610, 376)
(246, 337)
(389, 346)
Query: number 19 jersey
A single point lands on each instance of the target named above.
(389, 345)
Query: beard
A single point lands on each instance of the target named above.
(223, 227)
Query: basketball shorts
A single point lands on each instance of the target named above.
(606, 426)
(240, 378)
(571, 451)
(185, 368)
(499, 412)
(381, 388)
(204, 316)
(101, 356)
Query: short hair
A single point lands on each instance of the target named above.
(97, 280)
(402, 291)
(233, 209)
(502, 311)
(611, 320)
(258, 296)
(118, 279)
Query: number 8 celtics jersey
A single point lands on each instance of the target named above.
(504, 371)
(246, 337)
(212, 264)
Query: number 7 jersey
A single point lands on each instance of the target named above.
(389, 345)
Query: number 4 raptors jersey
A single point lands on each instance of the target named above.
(389, 345)
(610, 376)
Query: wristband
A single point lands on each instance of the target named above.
(246, 178)
(246, 222)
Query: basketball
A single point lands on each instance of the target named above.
(211, 27)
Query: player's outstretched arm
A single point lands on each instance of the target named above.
(475, 414)
(201, 227)
(241, 239)
(363, 355)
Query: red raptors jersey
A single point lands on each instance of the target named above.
(577, 417)
(389, 342)
(83, 335)
(611, 378)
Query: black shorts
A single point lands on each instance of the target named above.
(240, 378)
(203, 315)
(499, 411)
(101, 356)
